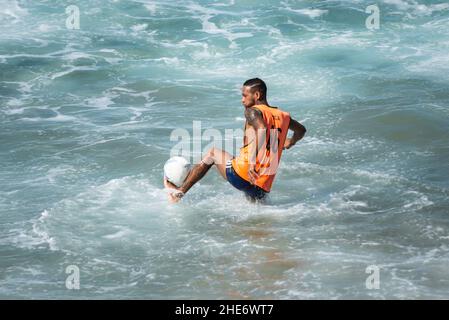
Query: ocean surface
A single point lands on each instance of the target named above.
(86, 117)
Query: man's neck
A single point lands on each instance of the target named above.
(259, 102)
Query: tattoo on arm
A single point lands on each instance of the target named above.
(254, 118)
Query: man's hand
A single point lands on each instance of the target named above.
(252, 174)
(174, 194)
(288, 143)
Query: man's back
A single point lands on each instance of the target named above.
(266, 159)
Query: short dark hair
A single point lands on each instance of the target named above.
(257, 84)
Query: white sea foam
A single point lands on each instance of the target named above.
(30, 235)
(70, 71)
(212, 28)
(169, 60)
(121, 233)
(417, 8)
(101, 102)
(418, 200)
(109, 51)
(75, 55)
(11, 9)
(14, 102)
(139, 27)
(57, 118)
(61, 171)
(312, 13)
(151, 7)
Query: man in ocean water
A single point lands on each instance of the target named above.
(253, 171)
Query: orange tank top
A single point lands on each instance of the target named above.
(268, 157)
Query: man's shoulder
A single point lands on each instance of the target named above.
(277, 110)
(253, 112)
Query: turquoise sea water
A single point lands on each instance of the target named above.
(85, 123)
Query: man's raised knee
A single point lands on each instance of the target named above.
(209, 158)
(214, 156)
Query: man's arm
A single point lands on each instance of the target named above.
(255, 120)
(298, 133)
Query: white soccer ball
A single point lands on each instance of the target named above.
(176, 170)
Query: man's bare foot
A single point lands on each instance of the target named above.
(174, 194)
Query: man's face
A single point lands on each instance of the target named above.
(248, 97)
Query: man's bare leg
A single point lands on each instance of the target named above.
(215, 157)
